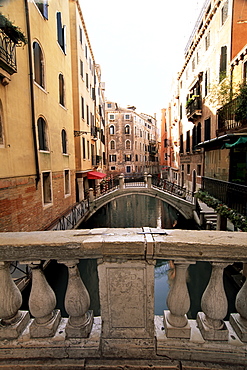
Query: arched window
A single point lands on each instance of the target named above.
(61, 90)
(42, 133)
(111, 130)
(127, 129)
(127, 144)
(64, 141)
(112, 144)
(38, 64)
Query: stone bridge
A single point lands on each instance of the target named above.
(180, 199)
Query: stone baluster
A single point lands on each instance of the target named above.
(178, 301)
(42, 302)
(77, 302)
(13, 321)
(214, 306)
(91, 196)
(239, 320)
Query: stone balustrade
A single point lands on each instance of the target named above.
(127, 327)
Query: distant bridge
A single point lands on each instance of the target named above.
(178, 197)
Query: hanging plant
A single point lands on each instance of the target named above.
(12, 31)
(236, 218)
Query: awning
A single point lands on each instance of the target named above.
(93, 175)
(242, 140)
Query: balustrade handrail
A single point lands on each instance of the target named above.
(193, 245)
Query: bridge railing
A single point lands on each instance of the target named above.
(126, 328)
(172, 188)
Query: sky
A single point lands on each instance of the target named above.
(139, 45)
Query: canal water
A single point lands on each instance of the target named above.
(140, 211)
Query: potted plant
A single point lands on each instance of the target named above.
(12, 31)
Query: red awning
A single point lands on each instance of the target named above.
(92, 175)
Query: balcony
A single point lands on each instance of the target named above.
(194, 107)
(7, 53)
(227, 120)
(127, 334)
(229, 193)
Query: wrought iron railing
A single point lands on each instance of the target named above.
(172, 188)
(226, 117)
(229, 193)
(7, 53)
(194, 107)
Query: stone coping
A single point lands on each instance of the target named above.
(140, 243)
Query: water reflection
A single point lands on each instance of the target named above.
(134, 211)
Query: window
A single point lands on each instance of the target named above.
(66, 182)
(1, 127)
(38, 64)
(127, 130)
(64, 141)
(207, 129)
(188, 169)
(181, 141)
(61, 90)
(111, 130)
(80, 34)
(88, 149)
(207, 41)
(224, 12)
(206, 82)
(127, 144)
(83, 148)
(43, 7)
(127, 116)
(87, 115)
(113, 168)
(136, 157)
(245, 73)
(199, 169)
(112, 144)
(87, 84)
(108, 105)
(81, 69)
(128, 169)
(223, 63)
(82, 108)
(198, 133)
(127, 157)
(112, 158)
(188, 141)
(42, 134)
(86, 51)
(61, 33)
(46, 185)
(111, 117)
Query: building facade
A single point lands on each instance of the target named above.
(207, 82)
(88, 105)
(50, 99)
(132, 141)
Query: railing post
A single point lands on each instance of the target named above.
(145, 177)
(77, 302)
(121, 182)
(42, 303)
(12, 321)
(91, 196)
(178, 301)
(214, 306)
(239, 320)
(149, 180)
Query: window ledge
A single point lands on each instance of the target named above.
(44, 151)
(40, 87)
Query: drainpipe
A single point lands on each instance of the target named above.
(32, 94)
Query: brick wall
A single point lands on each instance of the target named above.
(21, 207)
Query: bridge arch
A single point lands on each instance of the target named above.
(183, 206)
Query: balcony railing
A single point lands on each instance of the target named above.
(194, 108)
(127, 327)
(7, 53)
(229, 193)
(226, 118)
